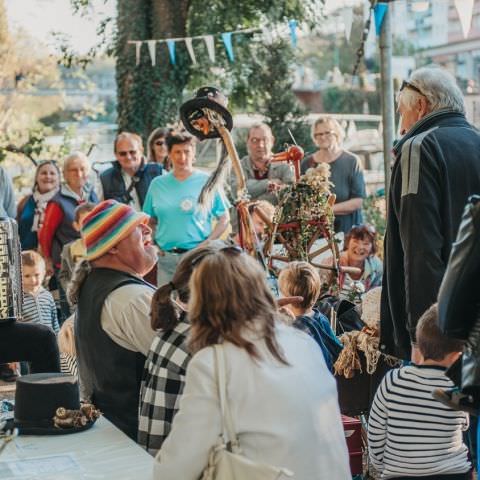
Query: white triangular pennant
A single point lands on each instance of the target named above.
(209, 42)
(465, 13)
(267, 36)
(347, 14)
(188, 44)
(152, 50)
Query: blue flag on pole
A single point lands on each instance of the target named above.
(379, 13)
(292, 24)
(227, 41)
(171, 51)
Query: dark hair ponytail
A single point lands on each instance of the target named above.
(163, 314)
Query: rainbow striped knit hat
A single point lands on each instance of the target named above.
(107, 224)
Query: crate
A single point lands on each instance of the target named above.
(353, 435)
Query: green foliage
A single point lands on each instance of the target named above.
(374, 213)
(150, 96)
(350, 100)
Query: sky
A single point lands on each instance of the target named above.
(41, 17)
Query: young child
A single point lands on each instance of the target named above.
(38, 304)
(410, 434)
(66, 346)
(302, 279)
(75, 251)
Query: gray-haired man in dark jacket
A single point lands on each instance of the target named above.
(436, 169)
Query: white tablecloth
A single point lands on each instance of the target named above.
(102, 452)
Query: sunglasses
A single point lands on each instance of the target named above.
(129, 152)
(230, 249)
(411, 86)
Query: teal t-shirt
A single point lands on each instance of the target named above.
(173, 204)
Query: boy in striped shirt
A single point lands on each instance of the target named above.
(410, 434)
(38, 303)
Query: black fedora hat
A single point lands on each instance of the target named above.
(38, 398)
(192, 111)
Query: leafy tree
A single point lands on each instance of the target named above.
(149, 96)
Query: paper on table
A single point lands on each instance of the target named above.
(39, 466)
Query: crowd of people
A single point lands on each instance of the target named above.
(149, 356)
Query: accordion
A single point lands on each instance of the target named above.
(11, 291)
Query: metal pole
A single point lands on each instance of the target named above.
(388, 112)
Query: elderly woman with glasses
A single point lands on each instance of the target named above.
(360, 248)
(346, 172)
(157, 151)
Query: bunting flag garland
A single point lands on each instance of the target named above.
(138, 46)
(465, 13)
(188, 44)
(209, 42)
(379, 13)
(227, 40)
(171, 50)
(267, 36)
(152, 51)
(292, 24)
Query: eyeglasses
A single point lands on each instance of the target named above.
(129, 152)
(257, 141)
(411, 86)
(229, 249)
(321, 134)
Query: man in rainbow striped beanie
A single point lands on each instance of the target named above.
(112, 325)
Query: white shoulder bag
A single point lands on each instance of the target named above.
(226, 460)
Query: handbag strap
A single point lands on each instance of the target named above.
(227, 422)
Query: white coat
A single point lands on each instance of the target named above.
(286, 416)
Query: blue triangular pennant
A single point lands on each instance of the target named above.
(292, 24)
(171, 51)
(379, 13)
(227, 40)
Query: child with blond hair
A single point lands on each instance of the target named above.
(300, 279)
(38, 303)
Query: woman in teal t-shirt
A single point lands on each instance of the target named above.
(179, 223)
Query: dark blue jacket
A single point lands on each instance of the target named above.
(319, 328)
(436, 169)
(114, 186)
(28, 238)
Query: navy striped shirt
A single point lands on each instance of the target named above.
(40, 308)
(412, 434)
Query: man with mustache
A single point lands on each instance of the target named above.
(264, 179)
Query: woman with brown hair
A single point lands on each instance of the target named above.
(281, 396)
(31, 208)
(359, 251)
(157, 151)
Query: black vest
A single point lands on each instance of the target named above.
(114, 186)
(112, 373)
